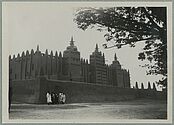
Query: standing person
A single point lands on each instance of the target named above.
(53, 98)
(63, 98)
(56, 98)
(59, 99)
(48, 96)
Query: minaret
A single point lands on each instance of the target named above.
(103, 58)
(86, 61)
(154, 87)
(32, 52)
(57, 63)
(27, 53)
(56, 54)
(38, 61)
(98, 72)
(37, 48)
(51, 54)
(136, 85)
(46, 52)
(96, 48)
(128, 78)
(128, 72)
(23, 54)
(46, 67)
(60, 63)
(72, 41)
(9, 57)
(18, 56)
(142, 86)
(72, 56)
(52, 68)
(13, 56)
(115, 57)
(149, 86)
(116, 63)
(60, 54)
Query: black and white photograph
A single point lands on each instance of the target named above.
(86, 62)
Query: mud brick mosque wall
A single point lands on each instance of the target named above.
(34, 91)
(25, 91)
(84, 92)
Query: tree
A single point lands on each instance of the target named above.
(131, 25)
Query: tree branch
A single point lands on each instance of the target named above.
(122, 44)
(151, 20)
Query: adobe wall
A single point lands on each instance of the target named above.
(151, 94)
(85, 92)
(25, 91)
(34, 91)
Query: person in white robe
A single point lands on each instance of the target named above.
(48, 96)
(63, 98)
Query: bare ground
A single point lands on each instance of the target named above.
(135, 109)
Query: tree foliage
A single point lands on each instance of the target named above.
(128, 26)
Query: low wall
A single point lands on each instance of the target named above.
(25, 91)
(85, 92)
(34, 91)
(151, 94)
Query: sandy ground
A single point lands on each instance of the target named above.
(137, 109)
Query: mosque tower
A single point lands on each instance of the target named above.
(98, 67)
(118, 72)
(72, 62)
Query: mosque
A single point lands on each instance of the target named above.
(68, 66)
(32, 75)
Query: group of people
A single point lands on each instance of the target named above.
(54, 98)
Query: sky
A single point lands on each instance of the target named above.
(51, 26)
